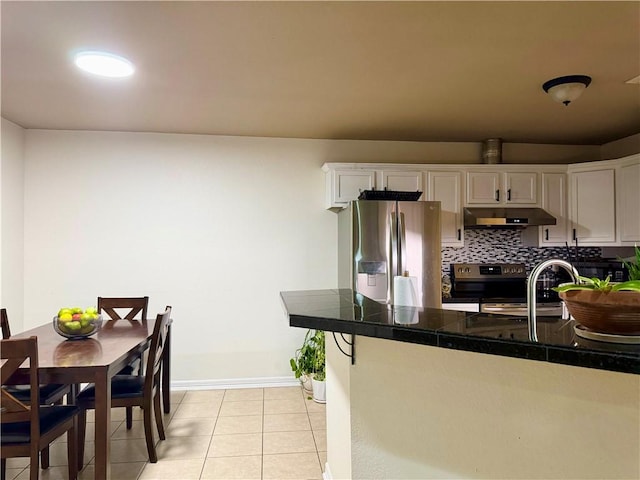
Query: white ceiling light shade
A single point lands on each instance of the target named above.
(104, 64)
(566, 89)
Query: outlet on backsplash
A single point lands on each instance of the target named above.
(505, 246)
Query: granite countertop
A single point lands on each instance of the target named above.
(344, 311)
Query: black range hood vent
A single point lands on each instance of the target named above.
(506, 217)
(389, 195)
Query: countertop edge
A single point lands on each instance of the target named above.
(614, 361)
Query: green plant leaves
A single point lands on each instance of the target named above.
(310, 357)
(599, 285)
(634, 268)
(631, 285)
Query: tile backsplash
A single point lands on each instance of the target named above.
(505, 246)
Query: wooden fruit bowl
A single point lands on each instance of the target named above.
(605, 312)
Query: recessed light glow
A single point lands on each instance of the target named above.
(104, 64)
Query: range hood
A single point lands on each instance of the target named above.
(506, 217)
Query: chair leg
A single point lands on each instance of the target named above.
(157, 410)
(3, 469)
(129, 417)
(148, 434)
(44, 457)
(34, 465)
(72, 453)
(80, 434)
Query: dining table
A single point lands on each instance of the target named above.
(96, 360)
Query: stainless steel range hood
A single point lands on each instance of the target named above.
(506, 217)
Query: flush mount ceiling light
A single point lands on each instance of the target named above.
(104, 64)
(566, 89)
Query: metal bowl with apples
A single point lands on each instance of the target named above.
(76, 323)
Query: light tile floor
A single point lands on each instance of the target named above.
(252, 433)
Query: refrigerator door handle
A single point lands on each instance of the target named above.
(402, 247)
(393, 255)
(393, 247)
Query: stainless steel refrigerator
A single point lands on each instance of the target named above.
(385, 246)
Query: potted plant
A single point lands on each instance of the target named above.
(604, 306)
(318, 375)
(302, 364)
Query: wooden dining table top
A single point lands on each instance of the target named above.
(102, 349)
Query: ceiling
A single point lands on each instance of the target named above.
(417, 71)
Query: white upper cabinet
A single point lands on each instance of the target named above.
(446, 187)
(628, 200)
(402, 181)
(521, 187)
(597, 203)
(346, 185)
(593, 207)
(483, 187)
(502, 188)
(554, 201)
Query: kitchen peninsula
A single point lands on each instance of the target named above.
(444, 394)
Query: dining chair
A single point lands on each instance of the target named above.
(133, 390)
(126, 308)
(26, 429)
(49, 393)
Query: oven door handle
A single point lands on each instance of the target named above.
(521, 309)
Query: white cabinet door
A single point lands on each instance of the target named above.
(628, 191)
(521, 187)
(554, 201)
(346, 185)
(446, 187)
(402, 181)
(593, 207)
(483, 188)
(502, 188)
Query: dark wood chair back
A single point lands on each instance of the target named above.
(130, 307)
(51, 393)
(15, 352)
(154, 359)
(27, 428)
(4, 323)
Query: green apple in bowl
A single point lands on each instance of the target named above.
(75, 323)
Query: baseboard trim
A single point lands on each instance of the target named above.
(230, 383)
(326, 475)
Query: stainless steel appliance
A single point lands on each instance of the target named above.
(501, 289)
(602, 269)
(506, 217)
(388, 245)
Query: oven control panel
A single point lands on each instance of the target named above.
(485, 271)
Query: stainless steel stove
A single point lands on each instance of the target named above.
(501, 289)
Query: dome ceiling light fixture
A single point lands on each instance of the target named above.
(566, 89)
(104, 64)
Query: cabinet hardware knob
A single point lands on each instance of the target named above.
(509, 194)
(546, 234)
(459, 234)
(574, 234)
(497, 195)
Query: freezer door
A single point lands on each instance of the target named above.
(419, 250)
(372, 263)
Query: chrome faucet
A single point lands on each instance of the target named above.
(531, 289)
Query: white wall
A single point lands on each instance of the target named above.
(11, 222)
(214, 226)
(425, 412)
